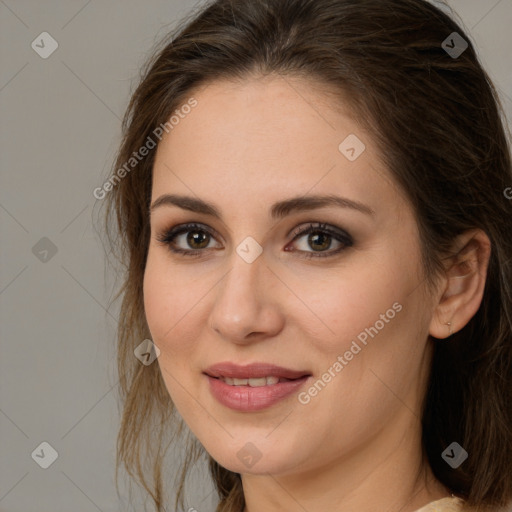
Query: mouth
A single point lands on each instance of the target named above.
(277, 379)
(253, 387)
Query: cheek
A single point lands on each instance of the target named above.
(168, 312)
(168, 304)
(377, 324)
(341, 305)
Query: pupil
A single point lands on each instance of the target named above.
(314, 239)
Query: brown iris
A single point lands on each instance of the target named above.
(195, 237)
(321, 240)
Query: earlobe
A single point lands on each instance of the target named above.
(463, 285)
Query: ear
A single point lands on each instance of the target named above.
(462, 288)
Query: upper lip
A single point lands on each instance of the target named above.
(253, 371)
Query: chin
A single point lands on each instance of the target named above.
(258, 457)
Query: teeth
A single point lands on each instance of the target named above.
(253, 383)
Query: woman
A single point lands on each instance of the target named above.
(310, 199)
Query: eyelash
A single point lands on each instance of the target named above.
(167, 238)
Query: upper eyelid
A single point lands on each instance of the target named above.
(179, 229)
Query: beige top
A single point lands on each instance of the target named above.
(452, 504)
(443, 505)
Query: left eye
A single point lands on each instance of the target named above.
(319, 238)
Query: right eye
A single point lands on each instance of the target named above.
(195, 236)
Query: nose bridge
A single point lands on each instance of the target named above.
(247, 263)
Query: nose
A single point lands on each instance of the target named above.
(247, 306)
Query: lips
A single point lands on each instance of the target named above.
(253, 371)
(241, 388)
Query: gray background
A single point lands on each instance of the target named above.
(60, 126)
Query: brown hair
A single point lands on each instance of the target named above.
(436, 120)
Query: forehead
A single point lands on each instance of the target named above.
(268, 137)
(260, 115)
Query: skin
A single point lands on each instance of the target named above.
(356, 445)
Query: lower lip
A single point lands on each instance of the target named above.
(247, 399)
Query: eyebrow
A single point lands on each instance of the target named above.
(278, 210)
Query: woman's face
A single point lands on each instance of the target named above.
(344, 305)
